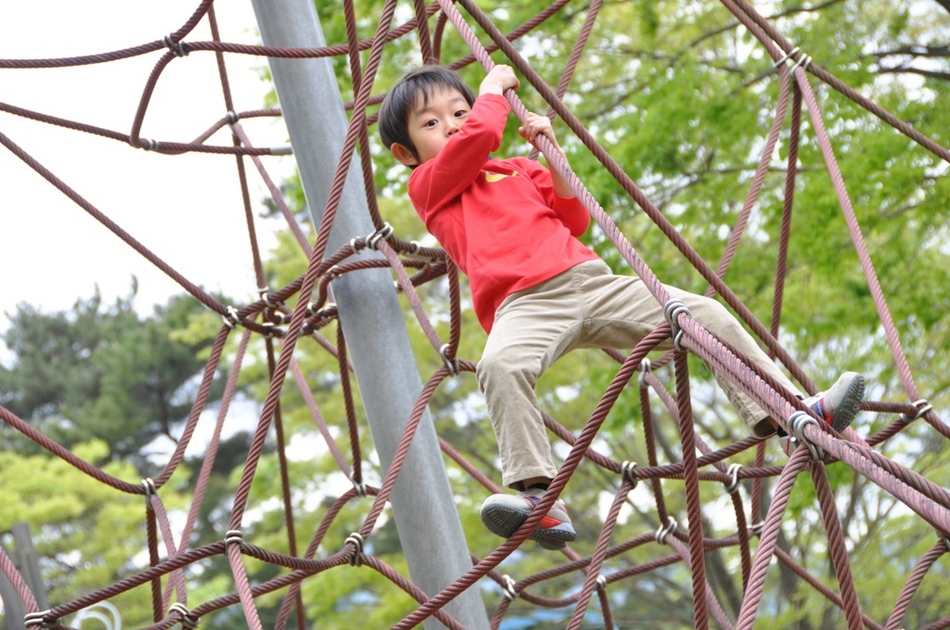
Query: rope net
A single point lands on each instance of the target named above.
(687, 490)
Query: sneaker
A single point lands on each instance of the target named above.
(841, 403)
(503, 514)
(837, 407)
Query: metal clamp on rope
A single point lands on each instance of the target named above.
(263, 292)
(673, 309)
(187, 621)
(645, 368)
(37, 620)
(233, 536)
(150, 145)
(627, 470)
(923, 407)
(452, 364)
(733, 484)
(796, 426)
(150, 490)
(357, 541)
(804, 61)
(361, 489)
(231, 319)
(178, 48)
(757, 528)
(372, 241)
(509, 590)
(233, 117)
(333, 273)
(786, 57)
(602, 581)
(663, 531)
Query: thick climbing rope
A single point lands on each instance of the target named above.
(283, 329)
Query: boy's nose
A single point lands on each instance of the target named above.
(453, 127)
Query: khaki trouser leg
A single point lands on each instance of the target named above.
(586, 307)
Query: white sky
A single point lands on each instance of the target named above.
(186, 209)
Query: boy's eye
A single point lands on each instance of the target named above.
(430, 123)
(461, 113)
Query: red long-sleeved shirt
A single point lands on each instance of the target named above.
(499, 220)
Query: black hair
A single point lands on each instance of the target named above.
(398, 104)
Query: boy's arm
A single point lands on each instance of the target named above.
(535, 125)
(445, 176)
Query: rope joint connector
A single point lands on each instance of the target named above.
(151, 490)
(357, 541)
(796, 428)
(178, 48)
(233, 536)
(231, 319)
(509, 589)
(188, 621)
(923, 408)
(733, 486)
(383, 233)
(672, 310)
(38, 620)
(627, 470)
(665, 530)
(452, 365)
(645, 368)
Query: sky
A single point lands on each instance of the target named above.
(186, 209)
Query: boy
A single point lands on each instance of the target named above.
(512, 225)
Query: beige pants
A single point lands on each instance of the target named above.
(585, 307)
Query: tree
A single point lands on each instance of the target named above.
(102, 372)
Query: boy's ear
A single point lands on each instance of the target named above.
(403, 154)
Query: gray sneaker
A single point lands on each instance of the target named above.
(503, 514)
(841, 403)
(838, 406)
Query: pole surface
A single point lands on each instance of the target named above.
(422, 502)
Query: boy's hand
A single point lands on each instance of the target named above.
(499, 79)
(534, 125)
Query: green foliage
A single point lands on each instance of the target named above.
(102, 372)
(87, 535)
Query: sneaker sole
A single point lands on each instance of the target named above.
(843, 415)
(504, 521)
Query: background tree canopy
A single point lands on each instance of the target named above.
(682, 97)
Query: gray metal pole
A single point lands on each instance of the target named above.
(422, 502)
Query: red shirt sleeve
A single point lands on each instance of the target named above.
(443, 178)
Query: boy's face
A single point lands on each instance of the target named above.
(431, 123)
